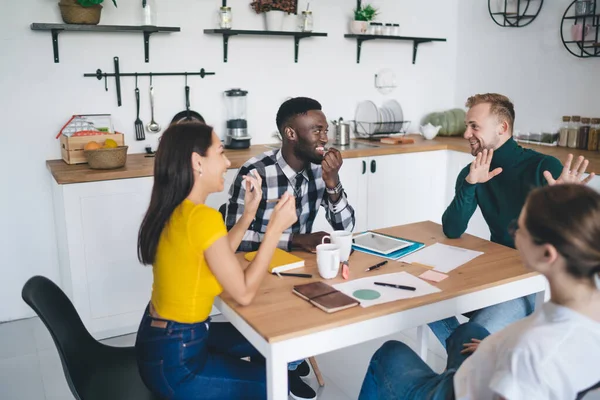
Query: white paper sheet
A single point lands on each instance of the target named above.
(387, 293)
(441, 257)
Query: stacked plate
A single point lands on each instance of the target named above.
(452, 121)
(371, 120)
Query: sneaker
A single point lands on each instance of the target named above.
(299, 390)
(303, 369)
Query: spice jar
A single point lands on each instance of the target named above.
(387, 30)
(572, 140)
(225, 17)
(306, 21)
(584, 133)
(564, 131)
(376, 28)
(594, 138)
(395, 29)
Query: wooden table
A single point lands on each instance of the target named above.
(284, 327)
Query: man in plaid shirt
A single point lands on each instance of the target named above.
(303, 167)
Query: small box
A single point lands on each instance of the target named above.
(71, 148)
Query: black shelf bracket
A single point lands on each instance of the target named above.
(118, 75)
(416, 41)
(147, 30)
(234, 32)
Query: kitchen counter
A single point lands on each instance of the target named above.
(138, 165)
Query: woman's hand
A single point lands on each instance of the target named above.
(284, 214)
(253, 196)
(470, 347)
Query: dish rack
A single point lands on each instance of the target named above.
(368, 130)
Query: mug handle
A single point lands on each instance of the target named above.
(326, 237)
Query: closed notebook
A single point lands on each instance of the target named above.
(325, 297)
(281, 261)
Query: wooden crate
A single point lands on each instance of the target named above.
(71, 148)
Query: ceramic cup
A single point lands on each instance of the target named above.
(579, 31)
(328, 260)
(342, 239)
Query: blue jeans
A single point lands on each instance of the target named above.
(198, 361)
(492, 318)
(397, 372)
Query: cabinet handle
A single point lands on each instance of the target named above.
(364, 167)
(373, 166)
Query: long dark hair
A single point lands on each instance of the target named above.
(173, 181)
(568, 217)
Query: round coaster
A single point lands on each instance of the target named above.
(366, 294)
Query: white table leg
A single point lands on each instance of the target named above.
(277, 385)
(422, 341)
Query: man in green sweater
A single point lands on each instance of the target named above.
(498, 181)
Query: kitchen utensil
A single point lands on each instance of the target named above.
(187, 103)
(342, 132)
(152, 126)
(237, 126)
(139, 126)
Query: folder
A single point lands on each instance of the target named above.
(281, 261)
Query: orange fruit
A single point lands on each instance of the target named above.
(92, 145)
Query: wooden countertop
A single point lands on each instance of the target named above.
(277, 314)
(138, 165)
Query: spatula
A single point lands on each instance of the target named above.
(139, 126)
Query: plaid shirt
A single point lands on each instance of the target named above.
(278, 177)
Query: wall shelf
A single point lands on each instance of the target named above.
(520, 14)
(580, 45)
(416, 41)
(58, 28)
(226, 33)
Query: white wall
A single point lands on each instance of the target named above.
(38, 96)
(530, 65)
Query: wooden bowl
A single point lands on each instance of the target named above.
(106, 158)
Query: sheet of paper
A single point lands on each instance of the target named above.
(433, 276)
(441, 257)
(366, 287)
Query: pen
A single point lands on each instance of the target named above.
(375, 266)
(395, 286)
(296, 275)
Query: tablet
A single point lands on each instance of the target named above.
(380, 243)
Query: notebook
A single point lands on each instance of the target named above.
(325, 297)
(281, 261)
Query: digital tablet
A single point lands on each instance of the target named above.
(380, 243)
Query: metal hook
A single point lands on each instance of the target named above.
(136, 85)
(105, 83)
(186, 79)
(150, 78)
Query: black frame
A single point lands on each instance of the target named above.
(517, 20)
(581, 44)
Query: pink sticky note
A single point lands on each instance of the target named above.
(433, 276)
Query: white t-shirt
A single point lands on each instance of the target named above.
(551, 355)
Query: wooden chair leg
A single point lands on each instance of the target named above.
(317, 371)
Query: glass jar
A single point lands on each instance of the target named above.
(563, 134)
(594, 138)
(583, 7)
(387, 30)
(395, 29)
(376, 28)
(149, 12)
(572, 139)
(225, 18)
(306, 21)
(584, 133)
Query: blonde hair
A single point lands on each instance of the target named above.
(500, 106)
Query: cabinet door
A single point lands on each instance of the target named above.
(456, 162)
(406, 188)
(353, 176)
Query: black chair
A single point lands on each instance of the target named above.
(94, 371)
(582, 394)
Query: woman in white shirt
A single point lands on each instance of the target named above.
(554, 354)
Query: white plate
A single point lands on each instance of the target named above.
(367, 111)
(396, 109)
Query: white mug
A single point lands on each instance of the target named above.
(343, 239)
(328, 260)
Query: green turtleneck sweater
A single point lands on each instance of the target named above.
(502, 197)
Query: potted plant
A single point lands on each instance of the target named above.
(81, 11)
(275, 11)
(362, 16)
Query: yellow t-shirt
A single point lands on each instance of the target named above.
(184, 287)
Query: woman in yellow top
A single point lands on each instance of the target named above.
(181, 355)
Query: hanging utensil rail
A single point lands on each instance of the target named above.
(117, 75)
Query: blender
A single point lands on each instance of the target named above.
(237, 127)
